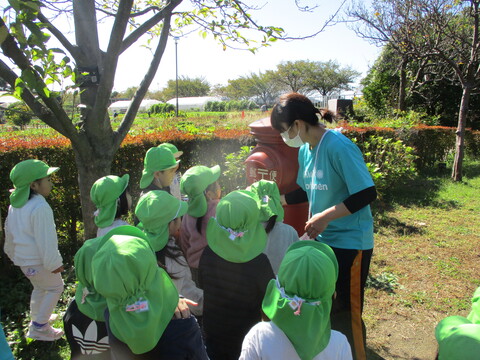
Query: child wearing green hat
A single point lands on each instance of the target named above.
(459, 337)
(200, 184)
(233, 273)
(159, 169)
(159, 214)
(84, 320)
(175, 185)
(113, 200)
(280, 235)
(31, 243)
(299, 310)
(141, 300)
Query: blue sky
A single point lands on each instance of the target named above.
(198, 57)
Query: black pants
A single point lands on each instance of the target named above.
(347, 307)
(181, 340)
(87, 338)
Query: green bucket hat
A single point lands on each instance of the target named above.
(299, 300)
(104, 194)
(22, 175)
(176, 153)
(194, 183)
(89, 301)
(141, 297)
(458, 339)
(269, 195)
(155, 210)
(156, 159)
(474, 315)
(236, 234)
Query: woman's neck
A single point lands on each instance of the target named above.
(314, 134)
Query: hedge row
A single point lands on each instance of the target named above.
(432, 145)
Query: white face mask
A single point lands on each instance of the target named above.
(296, 142)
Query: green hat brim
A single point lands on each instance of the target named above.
(147, 176)
(241, 249)
(19, 195)
(93, 304)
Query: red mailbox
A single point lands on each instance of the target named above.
(273, 160)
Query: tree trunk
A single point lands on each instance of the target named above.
(460, 139)
(90, 167)
(402, 86)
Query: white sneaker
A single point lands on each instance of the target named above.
(45, 333)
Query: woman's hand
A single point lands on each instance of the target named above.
(316, 225)
(319, 222)
(182, 311)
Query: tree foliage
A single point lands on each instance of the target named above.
(441, 37)
(187, 87)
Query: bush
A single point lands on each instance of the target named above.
(161, 108)
(19, 115)
(389, 161)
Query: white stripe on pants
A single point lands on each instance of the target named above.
(47, 288)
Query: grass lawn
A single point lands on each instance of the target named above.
(425, 264)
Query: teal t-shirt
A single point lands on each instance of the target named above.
(329, 173)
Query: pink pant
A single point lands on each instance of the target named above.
(47, 288)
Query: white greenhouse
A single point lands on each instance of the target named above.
(196, 102)
(121, 106)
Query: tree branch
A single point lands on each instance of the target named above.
(57, 118)
(72, 49)
(147, 25)
(145, 84)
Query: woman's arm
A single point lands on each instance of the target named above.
(319, 222)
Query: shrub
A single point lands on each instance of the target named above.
(388, 161)
(161, 108)
(234, 176)
(19, 115)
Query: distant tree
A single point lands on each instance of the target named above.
(237, 89)
(128, 93)
(292, 75)
(380, 86)
(329, 77)
(187, 87)
(18, 114)
(261, 87)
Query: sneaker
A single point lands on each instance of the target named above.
(45, 333)
(53, 318)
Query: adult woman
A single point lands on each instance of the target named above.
(339, 188)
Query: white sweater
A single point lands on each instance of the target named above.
(31, 236)
(266, 341)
